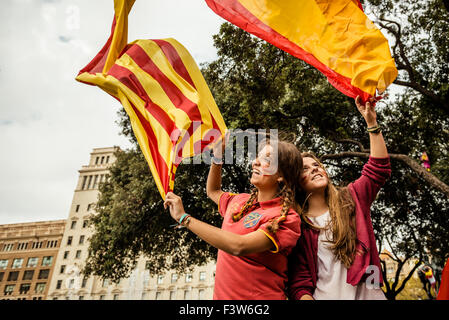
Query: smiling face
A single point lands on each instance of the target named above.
(313, 176)
(262, 175)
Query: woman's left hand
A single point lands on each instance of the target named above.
(367, 111)
(174, 202)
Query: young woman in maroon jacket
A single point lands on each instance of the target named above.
(336, 256)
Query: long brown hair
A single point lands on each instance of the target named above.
(289, 168)
(342, 213)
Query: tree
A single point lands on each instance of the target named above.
(259, 86)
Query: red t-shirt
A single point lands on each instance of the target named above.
(258, 276)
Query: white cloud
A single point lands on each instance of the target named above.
(49, 123)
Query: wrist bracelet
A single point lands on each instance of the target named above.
(375, 129)
(185, 215)
(217, 160)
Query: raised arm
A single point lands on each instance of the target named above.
(378, 149)
(377, 170)
(213, 185)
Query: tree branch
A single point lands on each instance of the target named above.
(357, 143)
(412, 164)
(403, 63)
(410, 274)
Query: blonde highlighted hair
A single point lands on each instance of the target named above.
(342, 213)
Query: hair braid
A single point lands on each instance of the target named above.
(247, 206)
(288, 201)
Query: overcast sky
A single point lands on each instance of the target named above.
(49, 123)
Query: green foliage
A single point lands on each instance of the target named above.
(259, 86)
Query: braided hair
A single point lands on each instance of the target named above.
(247, 206)
(289, 169)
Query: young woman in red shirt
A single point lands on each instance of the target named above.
(336, 256)
(259, 229)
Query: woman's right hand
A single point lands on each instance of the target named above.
(367, 111)
(219, 147)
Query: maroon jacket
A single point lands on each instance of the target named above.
(303, 260)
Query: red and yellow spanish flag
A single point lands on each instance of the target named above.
(334, 36)
(170, 106)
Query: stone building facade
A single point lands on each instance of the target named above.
(68, 283)
(28, 253)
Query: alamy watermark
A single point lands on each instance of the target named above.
(241, 146)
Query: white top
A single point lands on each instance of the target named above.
(331, 283)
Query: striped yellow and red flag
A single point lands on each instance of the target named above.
(170, 106)
(334, 36)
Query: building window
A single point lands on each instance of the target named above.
(69, 240)
(81, 240)
(24, 288)
(52, 243)
(78, 254)
(105, 283)
(146, 280)
(201, 294)
(77, 208)
(8, 246)
(73, 225)
(95, 181)
(9, 289)
(22, 246)
(102, 159)
(83, 284)
(3, 264)
(1, 276)
(84, 183)
(43, 274)
(17, 263)
(66, 254)
(202, 275)
(96, 160)
(71, 284)
(47, 261)
(102, 297)
(28, 275)
(160, 279)
(107, 159)
(13, 275)
(40, 287)
(90, 181)
(32, 262)
(81, 298)
(85, 223)
(59, 284)
(186, 294)
(172, 295)
(158, 295)
(37, 245)
(174, 277)
(62, 269)
(189, 277)
(116, 296)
